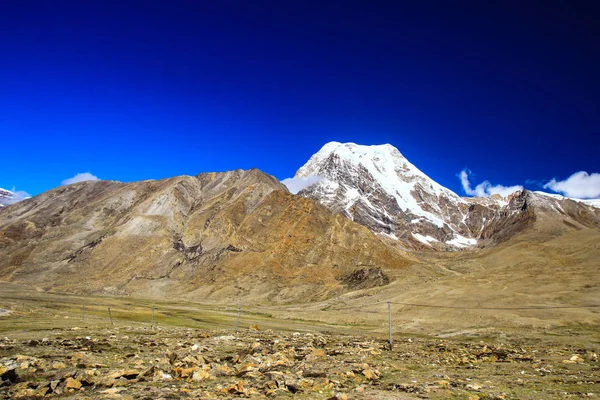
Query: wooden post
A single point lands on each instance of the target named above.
(390, 322)
(237, 322)
(152, 323)
(110, 315)
(83, 313)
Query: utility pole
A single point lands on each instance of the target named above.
(110, 315)
(237, 322)
(390, 322)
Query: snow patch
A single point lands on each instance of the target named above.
(589, 202)
(461, 241)
(390, 235)
(424, 239)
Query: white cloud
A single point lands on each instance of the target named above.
(580, 185)
(485, 188)
(15, 197)
(84, 176)
(295, 185)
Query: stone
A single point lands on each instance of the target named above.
(107, 381)
(222, 370)
(124, 373)
(185, 372)
(58, 365)
(253, 375)
(202, 375)
(54, 385)
(8, 374)
(339, 396)
(71, 383)
(576, 359)
(291, 383)
(79, 359)
(42, 389)
(193, 360)
(112, 391)
(318, 352)
(246, 367)
(237, 388)
(22, 391)
(148, 371)
(224, 338)
(165, 377)
(371, 374)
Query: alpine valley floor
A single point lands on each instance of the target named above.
(478, 342)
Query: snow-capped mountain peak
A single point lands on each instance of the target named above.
(389, 169)
(380, 188)
(384, 162)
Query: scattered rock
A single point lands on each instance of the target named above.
(124, 373)
(371, 374)
(237, 388)
(339, 396)
(8, 375)
(202, 375)
(577, 359)
(71, 383)
(181, 363)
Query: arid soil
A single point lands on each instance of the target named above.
(52, 349)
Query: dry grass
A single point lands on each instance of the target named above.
(455, 366)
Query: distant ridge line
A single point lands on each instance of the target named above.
(475, 308)
(431, 306)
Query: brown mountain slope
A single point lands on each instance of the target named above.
(536, 278)
(541, 216)
(545, 275)
(236, 234)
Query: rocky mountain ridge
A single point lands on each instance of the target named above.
(215, 235)
(378, 187)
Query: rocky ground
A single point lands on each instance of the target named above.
(138, 362)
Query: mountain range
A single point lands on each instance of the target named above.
(370, 220)
(236, 233)
(378, 187)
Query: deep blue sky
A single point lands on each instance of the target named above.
(132, 90)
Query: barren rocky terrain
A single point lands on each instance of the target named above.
(215, 235)
(64, 346)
